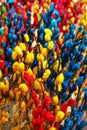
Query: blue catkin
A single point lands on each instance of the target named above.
(41, 37)
(55, 31)
(72, 26)
(68, 123)
(55, 37)
(8, 64)
(17, 27)
(10, 1)
(9, 36)
(20, 23)
(30, 42)
(14, 37)
(28, 21)
(50, 63)
(71, 65)
(65, 85)
(80, 108)
(41, 29)
(76, 52)
(12, 43)
(11, 30)
(83, 124)
(64, 96)
(45, 45)
(68, 44)
(58, 20)
(8, 52)
(45, 19)
(80, 80)
(53, 75)
(51, 7)
(67, 74)
(76, 67)
(77, 127)
(79, 116)
(74, 111)
(72, 31)
(80, 28)
(85, 89)
(9, 12)
(72, 35)
(14, 16)
(40, 73)
(35, 63)
(28, 13)
(66, 36)
(15, 22)
(19, 4)
(4, 44)
(32, 30)
(63, 128)
(67, 53)
(50, 83)
(71, 57)
(54, 23)
(82, 48)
